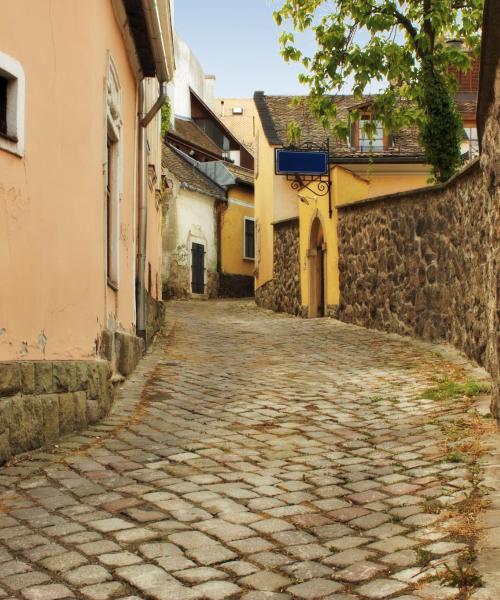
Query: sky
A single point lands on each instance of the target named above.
(237, 41)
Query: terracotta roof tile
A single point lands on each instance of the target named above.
(187, 130)
(276, 112)
(186, 172)
(240, 173)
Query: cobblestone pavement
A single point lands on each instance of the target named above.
(266, 457)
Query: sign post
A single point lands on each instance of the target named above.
(304, 166)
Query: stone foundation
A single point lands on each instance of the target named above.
(282, 293)
(212, 285)
(40, 401)
(155, 318)
(178, 284)
(235, 286)
(122, 350)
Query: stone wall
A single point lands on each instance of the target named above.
(235, 286)
(42, 400)
(282, 293)
(122, 350)
(425, 263)
(155, 317)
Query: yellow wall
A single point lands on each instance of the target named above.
(389, 178)
(264, 202)
(52, 200)
(240, 205)
(346, 188)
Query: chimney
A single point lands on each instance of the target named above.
(209, 91)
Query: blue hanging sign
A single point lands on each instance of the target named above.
(301, 162)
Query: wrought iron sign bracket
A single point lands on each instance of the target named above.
(318, 184)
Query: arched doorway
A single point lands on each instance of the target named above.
(317, 264)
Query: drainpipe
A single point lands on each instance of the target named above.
(154, 27)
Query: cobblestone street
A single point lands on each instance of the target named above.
(251, 455)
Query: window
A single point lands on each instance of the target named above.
(11, 105)
(237, 110)
(113, 175)
(373, 141)
(3, 105)
(470, 145)
(249, 241)
(111, 214)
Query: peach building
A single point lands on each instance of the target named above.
(81, 88)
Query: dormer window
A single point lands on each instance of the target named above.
(470, 144)
(373, 140)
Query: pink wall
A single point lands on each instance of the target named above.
(52, 201)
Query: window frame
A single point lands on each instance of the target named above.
(11, 70)
(359, 130)
(113, 176)
(468, 125)
(245, 219)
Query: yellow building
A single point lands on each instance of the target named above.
(296, 239)
(236, 228)
(239, 116)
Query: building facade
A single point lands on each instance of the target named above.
(297, 259)
(81, 84)
(208, 225)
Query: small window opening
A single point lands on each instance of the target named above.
(249, 249)
(373, 141)
(3, 105)
(150, 280)
(111, 214)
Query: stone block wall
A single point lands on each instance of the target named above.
(40, 401)
(282, 293)
(122, 350)
(425, 263)
(155, 317)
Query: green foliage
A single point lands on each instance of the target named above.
(463, 577)
(454, 457)
(442, 128)
(166, 113)
(294, 133)
(407, 48)
(453, 389)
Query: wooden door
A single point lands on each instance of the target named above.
(198, 268)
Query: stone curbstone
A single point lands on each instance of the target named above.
(64, 376)
(10, 378)
(27, 377)
(66, 413)
(50, 409)
(5, 449)
(43, 378)
(26, 424)
(80, 407)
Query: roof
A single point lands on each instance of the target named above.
(226, 174)
(215, 118)
(139, 31)
(187, 130)
(186, 171)
(490, 56)
(276, 112)
(241, 174)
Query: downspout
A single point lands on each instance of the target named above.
(153, 21)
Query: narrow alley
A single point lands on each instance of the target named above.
(265, 457)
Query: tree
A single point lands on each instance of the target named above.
(408, 49)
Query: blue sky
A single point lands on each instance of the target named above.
(237, 41)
